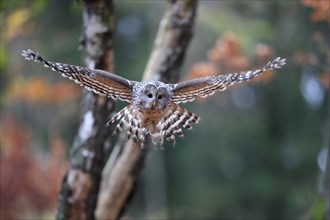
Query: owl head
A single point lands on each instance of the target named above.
(152, 96)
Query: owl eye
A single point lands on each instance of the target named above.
(160, 97)
(149, 95)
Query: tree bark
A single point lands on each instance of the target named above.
(80, 185)
(173, 37)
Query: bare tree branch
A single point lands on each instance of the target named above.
(174, 35)
(80, 185)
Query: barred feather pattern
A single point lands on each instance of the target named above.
(187, 91)
(169, 126)
(176, 116)
(98, 81)
(128, 118)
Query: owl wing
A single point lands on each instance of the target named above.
(98, 81)
(202, 87)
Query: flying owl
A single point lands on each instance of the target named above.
(153, 110)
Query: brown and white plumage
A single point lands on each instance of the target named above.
(202, 87)
(153, 110)
(98, 81)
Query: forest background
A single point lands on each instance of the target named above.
(260, 150)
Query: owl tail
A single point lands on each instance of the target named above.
(176, 117)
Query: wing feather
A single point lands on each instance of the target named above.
(187, 91)
(98, 81)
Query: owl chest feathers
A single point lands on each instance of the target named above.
(150, 119)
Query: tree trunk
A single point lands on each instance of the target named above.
(174, 34)
(80, 185)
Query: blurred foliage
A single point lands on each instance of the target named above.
(227, 56)
(321, 10)
(29, 181)
(253, 156)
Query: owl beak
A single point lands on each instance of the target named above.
(151, 105)
(154, 104)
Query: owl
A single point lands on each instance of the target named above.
(154, 109)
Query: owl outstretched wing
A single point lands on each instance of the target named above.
(98, 81)
(202, 87)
